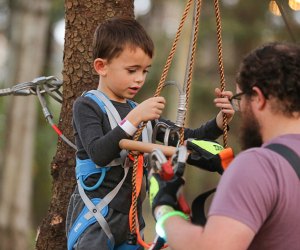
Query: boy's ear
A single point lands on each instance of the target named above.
(100, 65)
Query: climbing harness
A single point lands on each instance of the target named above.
(95, 210)
(41, 86)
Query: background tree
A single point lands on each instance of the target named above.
(24, 64)
(81, 18)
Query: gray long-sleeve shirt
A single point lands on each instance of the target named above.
(96, 140)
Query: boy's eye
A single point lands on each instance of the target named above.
(131, 71)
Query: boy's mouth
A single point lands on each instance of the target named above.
(134, 89)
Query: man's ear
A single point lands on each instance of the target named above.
(100, 65)
(259, 98)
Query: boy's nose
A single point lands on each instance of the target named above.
(140, 78)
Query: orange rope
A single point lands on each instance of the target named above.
(133, 209)
(137, 166)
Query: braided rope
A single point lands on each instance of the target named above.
(173, 49)
(157, 93)
(221, 67)
(191, 66)
(188, 86)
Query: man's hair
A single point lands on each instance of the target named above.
(113, 35)
(275, 69)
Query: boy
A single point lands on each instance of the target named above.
(122, 53)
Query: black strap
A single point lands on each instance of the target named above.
(198, 216)
(288, 154)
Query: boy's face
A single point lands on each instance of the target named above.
(124, 76)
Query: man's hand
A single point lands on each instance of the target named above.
(164, 192)
(209, 155)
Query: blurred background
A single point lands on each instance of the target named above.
(245, 25)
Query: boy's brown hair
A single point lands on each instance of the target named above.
(113, 35)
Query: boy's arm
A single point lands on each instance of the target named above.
(213, 128)
(94, 138)
(98, 140)
(209, 131)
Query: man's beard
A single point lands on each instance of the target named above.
(250, 135)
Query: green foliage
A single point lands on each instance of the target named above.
(57, 10)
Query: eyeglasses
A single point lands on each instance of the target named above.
(235, 101)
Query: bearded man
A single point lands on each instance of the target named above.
(256, 205)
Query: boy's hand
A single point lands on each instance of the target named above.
(148, 110)
(222, 101)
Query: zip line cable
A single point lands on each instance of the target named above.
(41, 86)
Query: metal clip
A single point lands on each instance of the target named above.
(178, 160)
(170, 132)
(160, 164)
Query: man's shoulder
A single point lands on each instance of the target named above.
(262, 160)
(252, 162)
(252, 154)
(290, 140)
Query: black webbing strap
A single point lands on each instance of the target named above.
(288, 154)
(198, 216)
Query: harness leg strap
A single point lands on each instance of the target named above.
(94, 211)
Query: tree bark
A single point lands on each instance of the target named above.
(26, 61)
(81, 18)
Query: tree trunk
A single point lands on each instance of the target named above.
(82, 17)
(26, 62)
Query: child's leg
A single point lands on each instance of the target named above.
(74, 208)
(94, 238)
